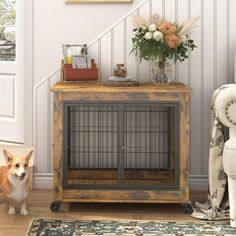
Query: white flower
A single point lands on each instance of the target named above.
(157, 35)
(152, 27)
(148, 35)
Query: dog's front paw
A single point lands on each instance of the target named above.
(23, 212)
(12, 211)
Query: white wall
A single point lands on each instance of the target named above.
(209, 66)
(55, 23)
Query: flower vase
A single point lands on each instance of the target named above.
(159, 72)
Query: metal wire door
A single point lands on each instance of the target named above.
(114, 145)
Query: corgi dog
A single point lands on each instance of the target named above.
(15, 182)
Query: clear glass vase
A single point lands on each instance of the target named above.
(158, 69)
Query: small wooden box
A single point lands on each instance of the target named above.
(70, 74)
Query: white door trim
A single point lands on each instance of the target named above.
(12, 76)
(28, 72)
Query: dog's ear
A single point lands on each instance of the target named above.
(29, 155)
(8, 157)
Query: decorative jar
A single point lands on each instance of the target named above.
(120, 71)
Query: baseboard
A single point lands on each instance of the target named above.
(45, 181)
(198, 182)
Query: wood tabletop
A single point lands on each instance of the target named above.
(99, 87)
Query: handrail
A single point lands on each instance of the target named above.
(45, 79)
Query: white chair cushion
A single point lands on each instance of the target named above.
(229, 157)
(231, 144)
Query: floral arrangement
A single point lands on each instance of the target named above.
(157, 38)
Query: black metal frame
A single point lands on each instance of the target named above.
(66, 108)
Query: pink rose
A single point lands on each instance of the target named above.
(167, 27)
(173, 40)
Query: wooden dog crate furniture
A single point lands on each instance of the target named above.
(121, 144)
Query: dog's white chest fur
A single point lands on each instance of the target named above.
(19, 192)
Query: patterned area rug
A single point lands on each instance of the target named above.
(50, 227)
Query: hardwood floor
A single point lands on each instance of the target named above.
(39, 202)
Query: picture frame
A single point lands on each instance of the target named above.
(97, 1)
